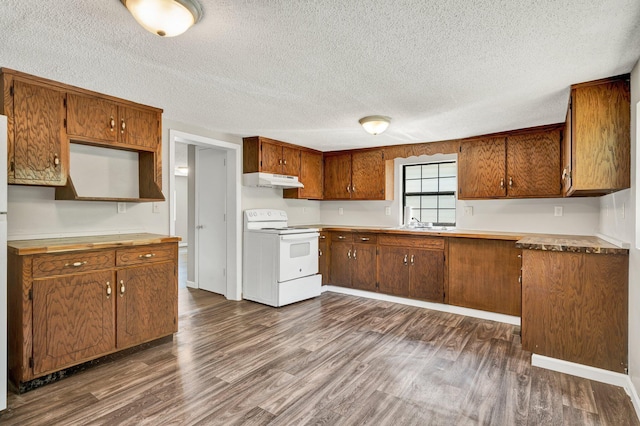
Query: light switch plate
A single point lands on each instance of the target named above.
(558, 211)
(387, 211)
(156, 207)
(468, 211)
(340, 211)
(122, 207)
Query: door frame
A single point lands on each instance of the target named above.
(234, 200)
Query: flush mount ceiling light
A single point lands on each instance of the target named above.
(166, 18)
(375, 124)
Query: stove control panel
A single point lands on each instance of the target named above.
(265, 215)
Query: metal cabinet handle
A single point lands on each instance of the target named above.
(405, 259)
(75, 264)
(349, 254)
(364, 239)
(122, 289)
(348, 189)
(353, 188)
(341, 237)
(108, 289)
(123, 125)
(56, 160)
(502, 183)
(146, 256)
(112, 123)
(280, 161)
(284, 162)
(412, 260)
(510, 182)
(322, 237)
(319, 252)
(354, 254)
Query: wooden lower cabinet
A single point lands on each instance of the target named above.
(426, 277)
(485, 275)
(341, 263)
(393, 271)
(363, 267)
(323, 257)
(353, 260)
(66, 308)
(575, 307)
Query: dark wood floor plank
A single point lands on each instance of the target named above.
(332, 360)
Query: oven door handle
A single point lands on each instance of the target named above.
(305, 236)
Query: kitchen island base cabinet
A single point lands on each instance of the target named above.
(485, 275)
(575, 307)
(70, 303)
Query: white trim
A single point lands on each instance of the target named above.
(591, 373)
(234, 206)
(491, 316)
(192, 284)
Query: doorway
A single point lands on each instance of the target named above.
(226, 233)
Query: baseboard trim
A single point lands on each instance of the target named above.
(192, 284)
(475, 313)
(591, 373)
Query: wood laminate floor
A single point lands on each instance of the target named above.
(333, 360)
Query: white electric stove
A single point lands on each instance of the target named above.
(280, 263)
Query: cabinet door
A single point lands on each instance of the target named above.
(73, 319)
(485, 274)
(368, 175)
(341, 264)
(92, 119)
(146, 303)
(567, 156)
(363, 274)
(323, 259)
(337, 177)
(311, 175)
(533, 165)
(393, 271)
(481, 169)
(139, 128)
(40, 155)
(290, 161)
(270, 157)
(426, 278)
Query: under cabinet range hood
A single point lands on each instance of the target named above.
(271, 180)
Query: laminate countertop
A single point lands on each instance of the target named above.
(546, 242)
(55, 245)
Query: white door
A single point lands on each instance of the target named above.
(211, 229)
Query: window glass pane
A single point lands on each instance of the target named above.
(447, 216)
(430, 185)
(448, 184)
(412, 172)
(448, 169)
(429, 215)
(447, 201)
(430, 171)
(412, 186)
(413, 201)
(430, 201)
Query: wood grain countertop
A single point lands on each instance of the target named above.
(570, 243)
(55, 245)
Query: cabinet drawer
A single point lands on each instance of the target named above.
(432, 243)
(345, 237)
(363, 238)
(145, 254)
(46, 265)
(324, 236)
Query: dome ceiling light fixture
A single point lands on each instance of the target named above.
(375, 124)
(166, 18)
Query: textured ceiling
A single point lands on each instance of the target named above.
(306, 71)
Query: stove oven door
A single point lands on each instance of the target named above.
(298, 256)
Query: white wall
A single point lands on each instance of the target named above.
(299, 212)
(182, 208)
(627, 229)
(580, 215)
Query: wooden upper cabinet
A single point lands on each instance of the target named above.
(266, 155)
(358, 175)
(311, 176)
(290, 161)
(38, 148)
(270, 157)
(94, 119)
(337, 176)
(481, 169)
(533, 164)
(599, 144)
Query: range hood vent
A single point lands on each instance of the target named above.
(271, 180)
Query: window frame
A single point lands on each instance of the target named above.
(438, 193)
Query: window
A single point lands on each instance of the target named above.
(430, 189)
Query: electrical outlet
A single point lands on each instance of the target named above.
(387, 211)
(340, 211)
(122, 207)
(468, 211)
(156, 207)
(558, 211)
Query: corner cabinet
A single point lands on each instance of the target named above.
(358, 175)
(44, 116)
(516, 165)
(596, 147)
(69, 304)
